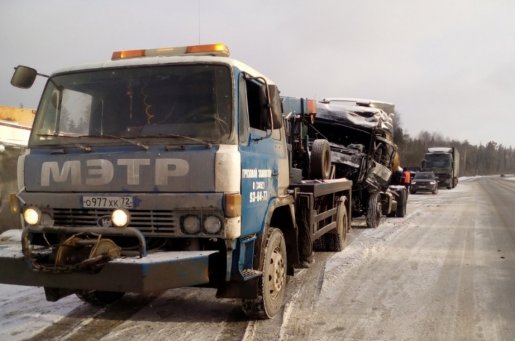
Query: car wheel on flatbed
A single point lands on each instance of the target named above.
(272, 283)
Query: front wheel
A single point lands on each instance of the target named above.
(374, 211)
(99, 298)
(272, 284)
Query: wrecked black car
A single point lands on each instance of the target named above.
(360, 135)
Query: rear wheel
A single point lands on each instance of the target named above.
(374, 211)
(272, 284)
(320, 162)
(99, 298)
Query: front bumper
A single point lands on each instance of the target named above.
(154, 272)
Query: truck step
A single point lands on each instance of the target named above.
(250, 273)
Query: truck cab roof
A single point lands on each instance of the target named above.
(166, 60)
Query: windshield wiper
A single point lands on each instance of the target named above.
(181, 137)
(78, 145)
(136, 143)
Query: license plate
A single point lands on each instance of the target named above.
(106, 202)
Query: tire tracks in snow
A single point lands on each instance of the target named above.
(92, 323)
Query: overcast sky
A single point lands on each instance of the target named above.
(448, 65)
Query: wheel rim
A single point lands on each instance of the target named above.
(275, 278)
(326, 163)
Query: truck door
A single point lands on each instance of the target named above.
(263, 155)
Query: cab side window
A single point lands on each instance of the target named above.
(256, 100)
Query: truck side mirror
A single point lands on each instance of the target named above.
(23, 77)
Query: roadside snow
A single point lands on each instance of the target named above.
(24, 311)
(8, 236)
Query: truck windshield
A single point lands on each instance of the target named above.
(145, 103)
(438, 161)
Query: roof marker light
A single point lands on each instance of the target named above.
(213, 49)
(128, 54)
(210, 50)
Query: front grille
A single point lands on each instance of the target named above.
(149, 222)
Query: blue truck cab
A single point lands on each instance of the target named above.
(165, 168)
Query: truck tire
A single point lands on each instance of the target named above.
(401, 204)
(99, 298)
(320, 161)
(335, 240)
(374, 211)
(272, 283)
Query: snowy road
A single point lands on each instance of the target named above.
(444, 272)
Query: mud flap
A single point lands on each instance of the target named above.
(157, 271)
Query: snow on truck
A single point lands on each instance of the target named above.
(445, 163)
(165, 168)
(360, 137)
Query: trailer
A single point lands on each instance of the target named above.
(445, 163)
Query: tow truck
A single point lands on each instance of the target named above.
(165, 168)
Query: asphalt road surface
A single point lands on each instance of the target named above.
(444, 272)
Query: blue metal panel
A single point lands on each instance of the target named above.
(122, 169)
(258, 181)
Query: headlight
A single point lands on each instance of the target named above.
(191, 224)
(212, 224)
(32, 215)
(120, 217)
(432, 182)
(413, 182)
